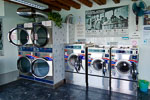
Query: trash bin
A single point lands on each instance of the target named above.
(143, 85)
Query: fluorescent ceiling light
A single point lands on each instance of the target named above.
(31, 4)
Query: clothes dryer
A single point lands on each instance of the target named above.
(21, 35)
(42, 66)
(24, 62)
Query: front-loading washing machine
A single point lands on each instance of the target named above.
(75, 64)
(24, 62)
(21, 35)
(98, 67)
(125, 70)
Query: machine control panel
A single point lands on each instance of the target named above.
(96, 50)
(26, 49)
(73, 47)
(20, 26)
(50, 50)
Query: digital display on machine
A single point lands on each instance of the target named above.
(44, 50)
(73, 47)
(20, 26)
(106, 55)
(26, 49)
(96, 50)
(134, 57)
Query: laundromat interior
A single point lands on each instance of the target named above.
(74, 49)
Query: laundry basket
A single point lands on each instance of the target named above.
(143, 84)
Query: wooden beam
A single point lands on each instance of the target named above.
(70, 3)
(86, 2)
(116, 1)
(56, 4)
(46, 10)
(54, 8)
(100, 2)
(134, 0)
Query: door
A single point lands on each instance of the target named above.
(41, 35)
(18, 36)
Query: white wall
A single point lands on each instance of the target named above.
(144, 66)
(10, 20)
(1, 8)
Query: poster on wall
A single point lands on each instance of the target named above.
(146, 34)
(146, 20)
(108, 22)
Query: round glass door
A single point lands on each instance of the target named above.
(40, 35)
(18, 36)
(40, 68)
(123, 67)
(24, 64)
(97, 64)
(72, 60)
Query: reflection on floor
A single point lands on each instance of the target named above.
(29, 90)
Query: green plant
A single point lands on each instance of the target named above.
(56, 17)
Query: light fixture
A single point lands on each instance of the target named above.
(30, 4)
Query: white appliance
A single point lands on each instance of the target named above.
(125, 70)
(21, 35)
(98, 67)
(75, 64)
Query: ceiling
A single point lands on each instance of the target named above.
(58, 5)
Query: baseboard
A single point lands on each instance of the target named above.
(8, 77)
(59, 84)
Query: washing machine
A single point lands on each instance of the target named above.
(98, 58)
(125, 70)
(24, 62)
(21, 35)
(75, 64)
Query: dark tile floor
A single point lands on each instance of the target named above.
(29, 90)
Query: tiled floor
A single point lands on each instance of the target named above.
(29, 90)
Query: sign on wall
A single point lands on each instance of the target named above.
(108, 22)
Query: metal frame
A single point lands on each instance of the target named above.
(32, 68)
(33, 34)
(9, 36)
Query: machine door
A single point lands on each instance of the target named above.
(97, 64)
(123, 67)
(41, 68)
(41, 35)
(18, 36)
(24, 64)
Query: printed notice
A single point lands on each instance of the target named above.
(146, 34)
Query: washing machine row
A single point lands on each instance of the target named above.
(124, 67)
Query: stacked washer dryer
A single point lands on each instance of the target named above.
(98, 67)
(48, 50)
(21, 37)
(125, 70)
(75, 64)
